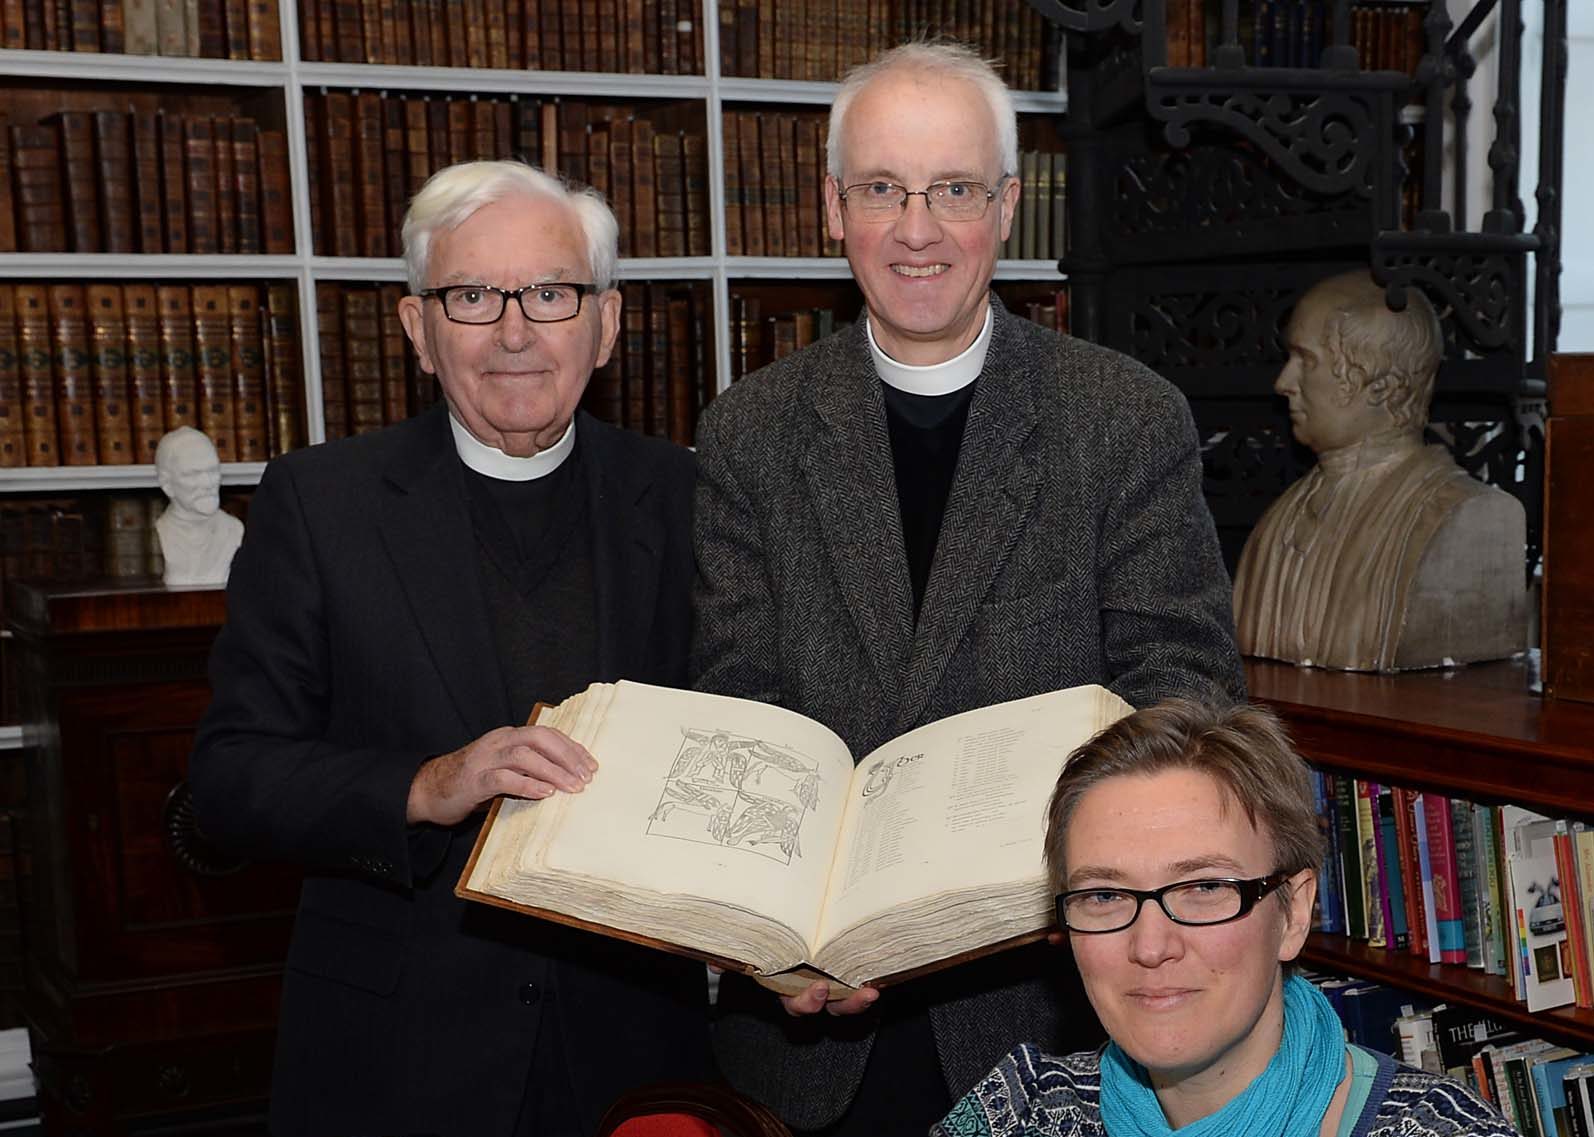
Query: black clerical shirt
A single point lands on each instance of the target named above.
(926, 434)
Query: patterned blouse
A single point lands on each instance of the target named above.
(1031, 1094)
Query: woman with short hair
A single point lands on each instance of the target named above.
(1183, 845)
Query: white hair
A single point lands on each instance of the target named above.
(940, 59)
(454, 193)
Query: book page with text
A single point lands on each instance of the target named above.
(958, 803)
(726, 799)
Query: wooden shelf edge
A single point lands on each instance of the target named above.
(1448, 983)
(59, 479)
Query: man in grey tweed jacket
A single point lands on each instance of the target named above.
(881, 545)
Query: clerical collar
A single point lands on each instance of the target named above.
(1372, 451)
(492, 462)
(934, 378)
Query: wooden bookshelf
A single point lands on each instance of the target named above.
(1484, 733)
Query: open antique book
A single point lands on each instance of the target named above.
(742, 833)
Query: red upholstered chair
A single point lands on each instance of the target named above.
(688, 1109)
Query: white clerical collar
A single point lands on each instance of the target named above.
(494, 463)
(934, 378)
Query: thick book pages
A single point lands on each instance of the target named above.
(727, 829)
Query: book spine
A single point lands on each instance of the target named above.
(145, 185)
(735, 195)
(77, 155)
(74, 381)
(1367, 839)
(13, 435)
(1467, 881)
(395, 355)
(174, 188)
(334, 383)
(1411, 876)
(39, 428)
(200, 165)
(395, 179)
(226, 186)
(1446, 884)
(337, 169)
(362, 353)
(276, 212)
(213, 368)
(1425, 871)
(143, 370)
(1395, 909)
(634, 344)
(113, 428)
(1351, 858)
(370, 178)
(245, 142)
(40, 194)
(113, 150)
(286, 385)
(179, 386)
(248, 365)
(265, 30)
(658, 362)
(8, 205)
(645, 198)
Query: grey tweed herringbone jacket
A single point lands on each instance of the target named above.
(1076, 548)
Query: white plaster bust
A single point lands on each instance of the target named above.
(1386, 555)
(197, 538)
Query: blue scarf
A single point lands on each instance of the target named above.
(1288, 1099)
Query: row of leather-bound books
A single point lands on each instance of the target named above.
(1293, 33)
(774, 170)
(821, 40)
(369, 376)
(212, 29)
(111, 181)
(95, 374)
(371, 151)
(616, 36)
(1040, 222)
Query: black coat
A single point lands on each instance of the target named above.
(358, 645)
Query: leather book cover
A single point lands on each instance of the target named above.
(746, 40)
(395, 354)
(475, 32)
(548, 135)
(334, 382)
(235, 21)
(324, 29)
(140, 34)
(503, 128)
(437, 133)
(315, 145)
(213, 368)
(1042, 187)
(85, 24)
(265, 30)
(362, 355)
(514, 34)
(531, 24)
(773, 169)
(179, 384)
(435, 13)
(810, 175)
(272, 176)
(590, 17)
(669, 45)
(417, 154)
(483, 142)
(735, 192)
(248, 373)
(754, 243)
(694, 166)
(727, 38)
(33, 23)
(13, 437)
(789, 189)
(226, 186)
(246, 182)
(370, 48)
(680, 385)
(148, 225)
(651, 56)
(39, 430)
(284, 371)
(658, 361)
(13, 25)
(395, 172)
(74, 380)
(113, 148)
(459, 140)
(143, 348)
(403, 34)
(199, 152)
(670, 194)
(8, 209)
(387, 34)
(348, 35)
(208, 26)
(370, 175)
(76, 132)
(644, 191)
(497, 29)
(768, 33)
(337, 172)
(572, 148)
(113, 427)
(633, 352)
(598, 160)
(622, 183)
(174, 182)
(550, 34)
(420, 33)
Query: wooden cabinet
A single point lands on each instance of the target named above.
(151, 961)
(1482, 733)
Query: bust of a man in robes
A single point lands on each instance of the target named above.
(197, 538)
(1387, 555)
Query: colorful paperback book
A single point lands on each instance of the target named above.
(1371, 882)
(1330, 898)
(1461, 831)
(1425, 867)
(1393, 873)
(1536, 902)
(1350, 858)
(1494, 961)
(1547, 1070)
(1446, 882)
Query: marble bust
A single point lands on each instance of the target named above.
(197, 539)
(1386, 555)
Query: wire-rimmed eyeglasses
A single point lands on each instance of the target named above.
(1195, 903)
(548, 303)
(948, 201)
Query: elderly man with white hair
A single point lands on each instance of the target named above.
(400, 602)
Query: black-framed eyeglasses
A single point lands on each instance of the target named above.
(948, 201)
(548, 303)
(1195, 903)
